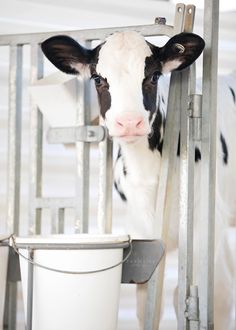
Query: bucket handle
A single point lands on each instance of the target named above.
(12, 243)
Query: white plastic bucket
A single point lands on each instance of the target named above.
(74, 302)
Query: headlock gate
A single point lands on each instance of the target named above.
(196, 123)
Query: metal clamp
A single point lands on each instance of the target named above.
(68, 135)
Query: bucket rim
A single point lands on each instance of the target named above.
(73, 241)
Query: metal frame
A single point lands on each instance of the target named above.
(188, 292)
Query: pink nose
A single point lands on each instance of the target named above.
(130, 124)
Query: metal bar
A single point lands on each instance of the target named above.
(88, 34)
(40, 203)
(83, 160)
(14, 138)
(105, 186)
(30, 291)
(155, 285)
(208, 163)
(185, 264)
(54, 220)
(189, 18)
(36, 145)
(76, 134)
(57, 220)
(14, 163)
(61, 220)
(186, 192)
(164, 196)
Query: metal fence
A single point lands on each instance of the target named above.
(84, 133)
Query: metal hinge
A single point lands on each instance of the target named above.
(67, 135)
(195, 113)
(192, 308)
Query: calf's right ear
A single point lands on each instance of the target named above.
(68, 55)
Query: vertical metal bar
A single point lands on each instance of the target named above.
(185, 264)
(186, 192)
(164, 197)
(61, 221)
(14, 138)
(155, 285)
(105, 186)
(36, 145)
(30, 284)
(14, 162)
(83, 160)
(54, 220)
(208, 163)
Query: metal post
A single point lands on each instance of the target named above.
(208, 163)
(30, 291)
(186, 191)
(168, 163)
(186, 206)
(105, 186)
(14, 138)
(14, 165)
(83, 159)
(36, 145)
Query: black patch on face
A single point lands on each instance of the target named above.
(155, 140)
(122, 195)
(224, 149)
(233, 94)
(152, 73)
(102, 87)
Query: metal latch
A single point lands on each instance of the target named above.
(192, 307)
(195, 113)
(66, 135)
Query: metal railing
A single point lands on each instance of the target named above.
(177, 120)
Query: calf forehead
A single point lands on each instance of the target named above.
(123, 56)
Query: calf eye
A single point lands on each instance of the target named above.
(155, 77)
(97, 79)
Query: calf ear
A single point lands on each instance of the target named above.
(180, 51)
(68, 55)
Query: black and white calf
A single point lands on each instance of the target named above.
(132, 93)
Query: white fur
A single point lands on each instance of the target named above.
(121, 61)
(170, 66)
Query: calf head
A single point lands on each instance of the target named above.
(125, 69)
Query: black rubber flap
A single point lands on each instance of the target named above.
(144, 258)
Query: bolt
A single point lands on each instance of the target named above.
(160, 20)
(91, 133)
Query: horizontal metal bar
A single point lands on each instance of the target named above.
(88, 34)
(51, 202)
(75, 134)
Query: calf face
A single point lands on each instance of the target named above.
(125, 69)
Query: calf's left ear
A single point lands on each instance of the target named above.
(180, 51)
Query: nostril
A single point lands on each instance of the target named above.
(119, 123)
(139, 123)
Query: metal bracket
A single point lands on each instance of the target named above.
(192, 307)
(195, 113)
(67, 135)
